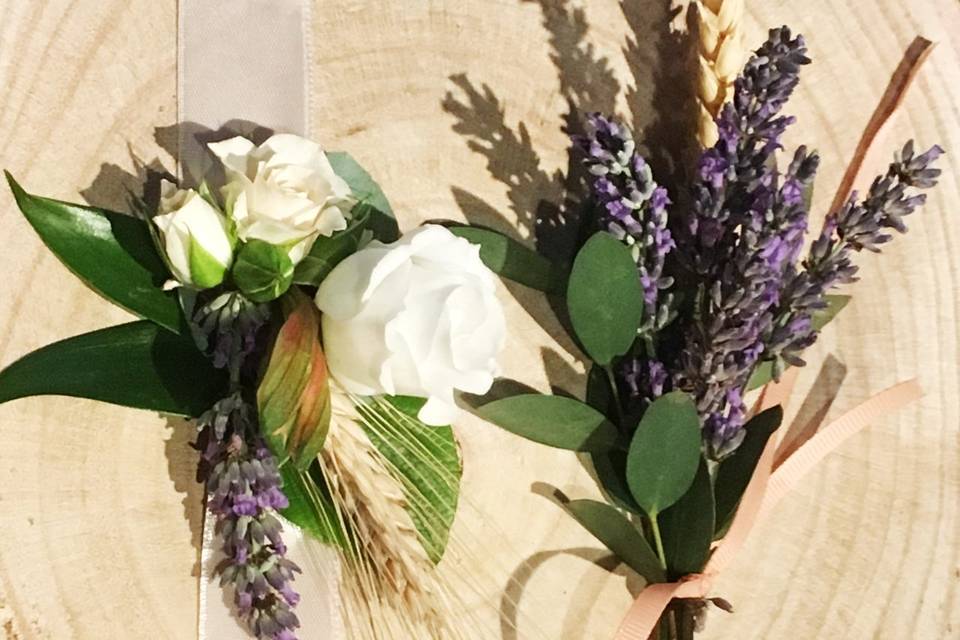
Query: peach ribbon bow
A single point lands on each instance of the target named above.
(765, 490)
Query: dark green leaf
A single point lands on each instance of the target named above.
(138, 364)
(664, 453)
(262, 271)
(600, 394)
(327, 253)
(835, 304)
(112, 253)
(512, 260)
(734, 473)
(619, 535)
(382, 221)
(604, 298)
(556, 421)
(609, 469)
(312, 507)
(425, 460)
(687, 527)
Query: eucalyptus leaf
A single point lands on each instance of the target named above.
(619, 535)
(262, 271)
(112, 253)
(835, 304)
(512, 260)
(604, 298)
(735, 471)
(687, 527)
(138, 364)
(609, 469)
(600, 393)
(426, 461)
(665, 452)
(555, 421)
(365, 189)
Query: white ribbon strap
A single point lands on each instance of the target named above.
(244, 65)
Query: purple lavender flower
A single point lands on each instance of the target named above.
(242, 478)
(243, 490)
(632, 207)
(745, 229)
(857, 226)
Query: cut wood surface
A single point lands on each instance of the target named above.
(459, 110)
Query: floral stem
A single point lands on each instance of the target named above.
(615, 390)
(657, 539)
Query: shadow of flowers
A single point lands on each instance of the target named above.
(550, 207)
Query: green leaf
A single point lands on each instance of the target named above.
(327, 253)
(112, 253)
(262, 271)
(687, 527)
(665, 452)
(604, 298)
(293, 398)
(311, 505)
(423, 458)
(835, 304)
(382, 220)
(609, 469)
(512, 260)
(555, 421)
(138, 364)
(619, 535)
(599, 394)
(734, 472)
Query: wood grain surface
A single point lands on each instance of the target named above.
(459, 110)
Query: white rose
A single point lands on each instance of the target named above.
(195, 236)
(417, 317)
(283, 192)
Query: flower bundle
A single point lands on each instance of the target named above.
(318, 351)
(683, 310)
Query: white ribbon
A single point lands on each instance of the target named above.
(243, 65)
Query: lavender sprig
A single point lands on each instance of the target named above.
(243, 480)
(734, 179)
(746, 228)
(243, 488)
(829, 264)
(632, 207)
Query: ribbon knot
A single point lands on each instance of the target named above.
(766, 488)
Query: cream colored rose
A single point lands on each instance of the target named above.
(417, 317)
(195, 236)
(283, 192)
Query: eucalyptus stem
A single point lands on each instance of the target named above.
(615, 390)
(658, 539)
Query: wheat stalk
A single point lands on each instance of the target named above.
(721, 56)
(391, 567)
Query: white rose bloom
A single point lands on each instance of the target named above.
(195, 237)
(283, 192)
(417, 317)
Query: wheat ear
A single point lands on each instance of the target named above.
(721, 56)
(391, 568)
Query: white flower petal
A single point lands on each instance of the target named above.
(234, 154)
(422, 317)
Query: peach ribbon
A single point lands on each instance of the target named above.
(764, 491)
